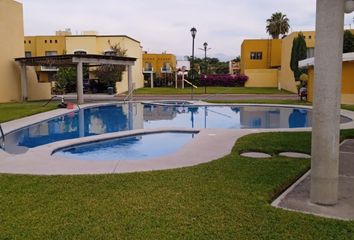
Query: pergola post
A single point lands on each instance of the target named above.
(152, 78)
(80, 83)
(326, 101)
(24, 83)
(130, 83)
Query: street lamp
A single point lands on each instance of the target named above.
(193, 33)
(205, 62)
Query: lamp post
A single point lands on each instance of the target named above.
(193, 33)
(205, 49)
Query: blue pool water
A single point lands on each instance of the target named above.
(115, 118)
(138, 147)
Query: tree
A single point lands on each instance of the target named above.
(65, 80)
(237, 59)
(348, 42)
(277, 24)
(110, 74)
(298, 53)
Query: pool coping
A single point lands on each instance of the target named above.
(219, 142)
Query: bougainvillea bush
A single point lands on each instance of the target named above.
(223, 80)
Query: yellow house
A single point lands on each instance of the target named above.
(260, 60)
(89, 43)
(159, 63)
(347, 96)
(11, 47)
(268, 65)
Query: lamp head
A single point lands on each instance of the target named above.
(205, 45)
(349, 6)
(193, 31)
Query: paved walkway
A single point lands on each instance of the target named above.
(121, 97)
(297, 197)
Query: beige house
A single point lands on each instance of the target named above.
(11, 47)
(86, 43)
(13, 44)
(100, 44)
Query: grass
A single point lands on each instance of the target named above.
(348, 107)
(224, 199)
(210, 90)
(12, 111)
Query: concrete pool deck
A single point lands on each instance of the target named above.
(218, 142)
(297, 197)
(40, 161)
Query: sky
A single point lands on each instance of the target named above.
(165, 25)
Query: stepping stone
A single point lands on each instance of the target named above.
(294, 155)
(255, 155)
(347, 146)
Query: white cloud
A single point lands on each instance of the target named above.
(164, 25)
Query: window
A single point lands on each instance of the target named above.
(45, 41)
(49, 68)
(80, 52)
(310, 52)
(310, 37)
(50, 41)
(56, 41)
(256, 55)
(110, 53)
(51, 53)
(25, 41)
(148, 66)
(28, 54)
(166, 67)
(29, 41)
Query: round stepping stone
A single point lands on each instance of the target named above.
(294, 155)
(255, 155)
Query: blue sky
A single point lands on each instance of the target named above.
(164, 25)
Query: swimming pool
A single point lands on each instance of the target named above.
(122, 117)
(137, 147)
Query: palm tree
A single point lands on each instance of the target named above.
(277, 24)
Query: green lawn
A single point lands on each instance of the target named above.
(224, 199)
(210, 90)
(228, 198)
(348, 107)
(11, 111)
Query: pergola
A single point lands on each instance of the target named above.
(74, 60)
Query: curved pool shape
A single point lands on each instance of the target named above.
(138, 147)
(122, 117)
